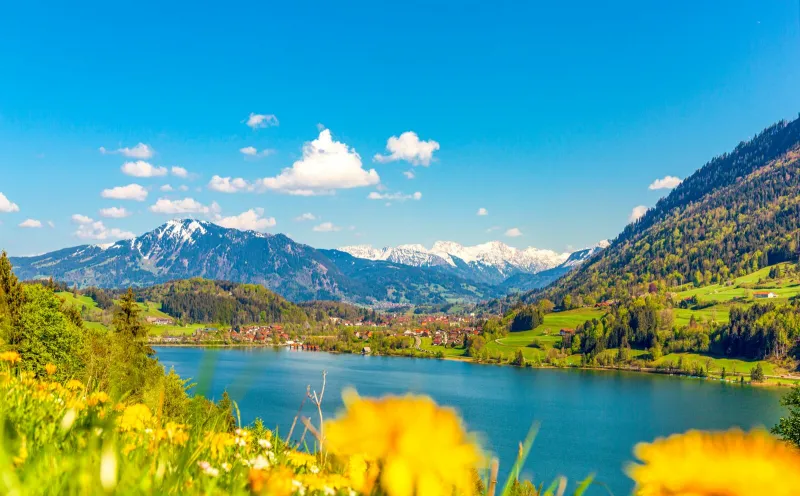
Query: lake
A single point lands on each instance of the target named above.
(590, 420)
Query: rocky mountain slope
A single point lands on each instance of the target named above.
(182, 249)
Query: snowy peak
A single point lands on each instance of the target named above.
(494, 259)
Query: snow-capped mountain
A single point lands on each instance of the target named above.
(186, 248)
(491, 262)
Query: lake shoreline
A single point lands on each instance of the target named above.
(789, 381)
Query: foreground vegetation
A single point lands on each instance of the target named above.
(90, 411)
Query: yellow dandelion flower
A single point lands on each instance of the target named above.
(360, 478)
(11, 357)
(422, 447)
(98, 398)
(135, 418)
(50, 369)
(278, 482)
(219, 442)
(299, 459)
(732, 463)
(74, 385)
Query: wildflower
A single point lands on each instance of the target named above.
(265, 444)
(259, 463)
(50, 369)
(226, 466)
(301, 459)
(314, 469)
(11, 357)
(74, 385)
(278, 482)
(733, 463)
(219, 442)
(208, 469)
(357, 472)
(422, 447)
(68, 420)
(135, 418)
(98, 398)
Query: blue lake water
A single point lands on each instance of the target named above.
(589, 420)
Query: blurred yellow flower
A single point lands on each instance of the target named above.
(300, 459)
(10, 356)
(422, 447)
(135, 418)
(732, 463)
(74, 385)
(98, 398)
(218, 443)
(50, 369)
(278, 482)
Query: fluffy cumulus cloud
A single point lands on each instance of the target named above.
(256, 121)
(326, 227)
(252, 151)
(637, 213)
(409, 174)
(184, 206)
(326, 165)
(251, 220)
(305, 216)
(97, 230)
(31, 223)
(229, 185)
(7, 205)
(114, 212)
(667, 182)
(394, 196)
(81, 219)
(410, 148)
(140, 151)
(513, 232)
(179, 172)
(166, 188)
(129, 192)
(482, 211)
(140, 168)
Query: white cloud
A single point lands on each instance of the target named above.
(513, 232)
(7, 205)
(667, 182)
(129, 192)
(98, 230)
(140, 151)
(305, 216)
(183, 187)
(140, 168)
(326, 165)
(409, 174)
(394, 196)
(114, 212)
(493, 228)
(482, 211)
(637, 213)
(251, 220)
(327, 227)
(51, 224)
(81, 219)
(252, 151)
(408, 147)
(179, 172)
(166, 188)
(185, 206)
(31, 223)
(256, 121)
(229, 185)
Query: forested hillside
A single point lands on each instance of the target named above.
(739, 212)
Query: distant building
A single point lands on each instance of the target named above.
(366, 350)
(764, 294)
(159, 320)
(566, 336)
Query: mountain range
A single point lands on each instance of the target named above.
(490, 263)
(187, 248)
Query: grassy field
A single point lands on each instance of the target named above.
(743, 287)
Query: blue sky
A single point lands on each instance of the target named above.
(556, 119)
